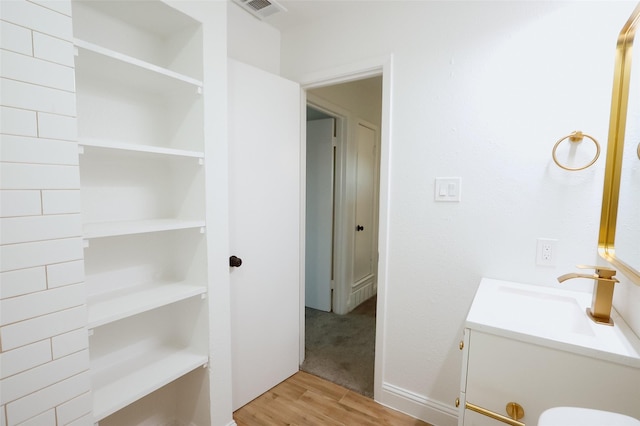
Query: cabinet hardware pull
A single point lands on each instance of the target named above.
(493, 415)
(461, 345)
(515, 410)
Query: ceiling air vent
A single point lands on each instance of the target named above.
(261, 8)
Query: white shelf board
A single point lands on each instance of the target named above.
(98, 60)
(136, 148)
(113, 306)
(114, 229)
(144, 377)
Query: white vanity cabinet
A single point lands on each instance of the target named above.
(544, 360)
(139, 87)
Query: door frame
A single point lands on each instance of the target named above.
(343, 74)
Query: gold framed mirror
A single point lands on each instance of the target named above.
(621, 196)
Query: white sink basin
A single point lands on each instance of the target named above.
(551, 317)
(533, 309)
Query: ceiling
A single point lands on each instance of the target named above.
(303, 12)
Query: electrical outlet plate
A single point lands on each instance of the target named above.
(546, 252)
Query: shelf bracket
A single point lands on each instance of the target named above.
(199, 90)
(200, 161)
(202, 229)
(80, 149)
(85, 243)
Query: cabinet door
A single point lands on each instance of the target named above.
(501, 370)
(264, 207)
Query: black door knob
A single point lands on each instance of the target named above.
(235, 261)
(359, 228)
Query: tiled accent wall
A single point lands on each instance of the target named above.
(44, 360)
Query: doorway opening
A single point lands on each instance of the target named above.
(341, 235)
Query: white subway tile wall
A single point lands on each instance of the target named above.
(40, 19)
(20, 203)
(18, 121)
(36, 71)
(72, 410)
(54, 126)
(68, 343)
(61, 201)
(19, 149)
(16, 38)
(53, 49)
(82, 421)
(65, 273)
(46, 418)
(38, 228)
(25, 358)
(51, 396)
(21, 176)
(22, 281)
(27, 255)
(40, 98)
(44, 379)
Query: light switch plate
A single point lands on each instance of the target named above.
(448, 189)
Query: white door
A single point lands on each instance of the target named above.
(264, 221)
(319, 214)
(366, 175)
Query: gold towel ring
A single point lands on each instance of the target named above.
(576, 136)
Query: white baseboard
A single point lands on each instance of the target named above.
(418, 406)
(231, 423)
(363, 293)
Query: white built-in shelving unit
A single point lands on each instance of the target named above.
(140, 132)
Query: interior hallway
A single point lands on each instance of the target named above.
(341, 348)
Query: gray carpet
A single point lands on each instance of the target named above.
(340, 348)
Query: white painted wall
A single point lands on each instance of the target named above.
(252, 41)
(481, 90)
(362, 98)
(44, 357)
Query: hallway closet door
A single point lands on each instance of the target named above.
(264, 229)
(365, 251)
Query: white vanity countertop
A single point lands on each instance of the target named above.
(551, 317)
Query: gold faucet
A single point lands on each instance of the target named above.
(602, 298)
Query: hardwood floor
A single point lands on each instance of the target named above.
(305, 399)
